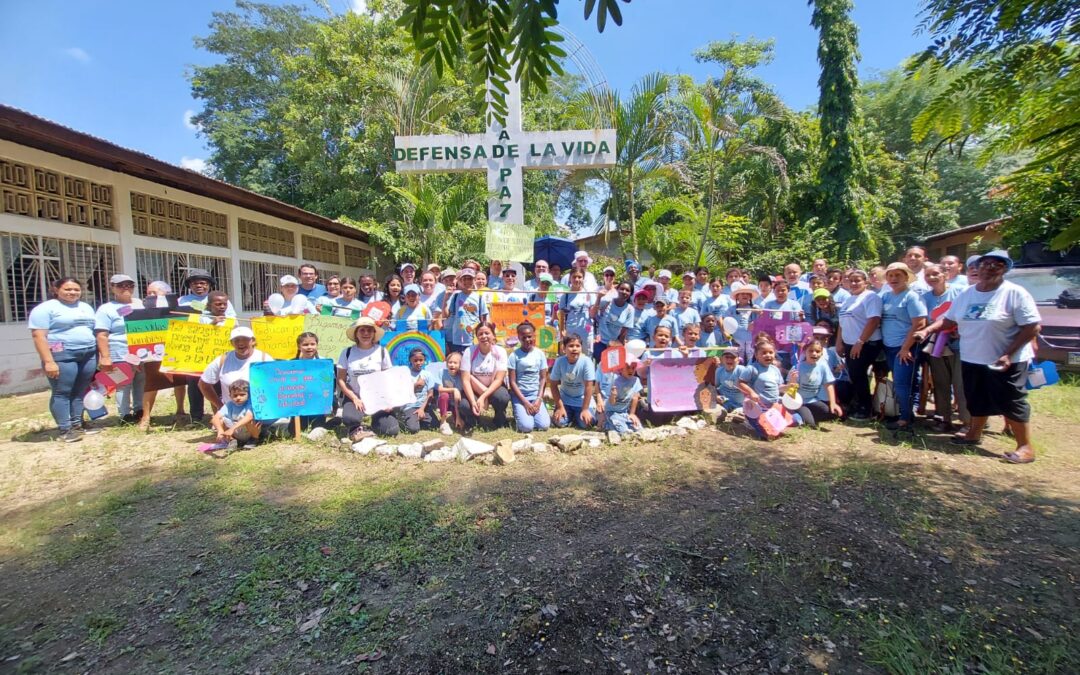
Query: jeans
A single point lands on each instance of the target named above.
(129, 397)
(573, 416)
(526, 422)
(858, 369)
(903, 382)
(77, 368)
(620, 422)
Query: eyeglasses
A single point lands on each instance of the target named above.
(992, 262)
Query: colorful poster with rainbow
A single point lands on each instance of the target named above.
(400, 342)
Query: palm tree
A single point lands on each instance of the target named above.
(671, 242)
(430, 215)
(643, 129)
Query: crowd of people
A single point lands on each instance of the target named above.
(873, 332)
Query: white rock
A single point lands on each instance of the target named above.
(522, 444)
(411, 450)
(365, 445)
(680, 431)
(318, 433)
(687, 423)
(432, 445)
(592, 434)
(468, 448)
(701, 424)
(386, 450)
(613, 437)
(540, 447)
(440, 455)
(649, 435)
(568, 443)
(595, 442)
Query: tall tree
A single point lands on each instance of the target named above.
(842, 168)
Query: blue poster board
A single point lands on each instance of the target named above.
(291, 388)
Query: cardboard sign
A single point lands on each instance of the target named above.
(146, 332)
(547, 339)
(276, 335)
(613, 359)
(331, 332)
(400, 342)
(784, 331)
(385, 389)
(774, 420)
(190, 346)
(507, 315)
(506, 241)
(679, 385)
(120, 376)
(291, 388)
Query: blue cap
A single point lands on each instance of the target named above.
(631, 263)
(411, 288)
(972, 259)
(1000, 254)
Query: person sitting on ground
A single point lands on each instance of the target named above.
(573, 383)
(364, 357)
(528, 380)
(766, 380)
(234, 422)
(728, 376)
(483, 368)
(416, 414)
(622, 404)
(449, 395)
(816, 386)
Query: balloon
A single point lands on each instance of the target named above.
(636, 347)
(792, 401)
(93, 400)
(730, 325)
(299, 304)
(276, 302)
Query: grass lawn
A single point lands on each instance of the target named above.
(838, 550)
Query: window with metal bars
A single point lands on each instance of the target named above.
(172, 268)
(32, 263)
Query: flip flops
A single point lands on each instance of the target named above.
(1015, 458)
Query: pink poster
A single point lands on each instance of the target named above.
(678, 385)
(784, 331)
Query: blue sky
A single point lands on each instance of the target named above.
(115, 68)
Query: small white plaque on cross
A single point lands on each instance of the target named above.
(503, 152)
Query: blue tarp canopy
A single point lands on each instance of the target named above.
(555, 250)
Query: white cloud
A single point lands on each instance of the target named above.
(78, 54)
(188, 114)
(358, 6)
(194, 164)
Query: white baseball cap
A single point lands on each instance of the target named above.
(663, 273)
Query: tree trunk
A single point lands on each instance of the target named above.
(633, 218)
(708, 217)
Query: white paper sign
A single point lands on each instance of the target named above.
(384, 389)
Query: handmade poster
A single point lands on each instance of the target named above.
(276, 335)
(146, 331)
(677, 385)
(507, 315)
(774, 420)
(328, 309)
(378, 312)
(119, 376)
(291, 388)
(400, 342)
(385, 389)
(507, 241)
(547, 339)
(331, 332)
(784, 331)
(613, 359)
(190, 346)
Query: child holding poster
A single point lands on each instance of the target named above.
(528, 379)
(307, 348)
(729, 375)
(765, 382)
(234, 421)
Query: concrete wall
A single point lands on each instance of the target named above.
(20, 369)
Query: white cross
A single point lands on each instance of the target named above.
(517, 150)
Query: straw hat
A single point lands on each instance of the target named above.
(363, 321)
(903, 268)
(739, 287)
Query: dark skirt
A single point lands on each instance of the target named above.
(991, 393)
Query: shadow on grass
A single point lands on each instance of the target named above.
(718, 554)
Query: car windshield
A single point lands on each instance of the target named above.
(1046, 283)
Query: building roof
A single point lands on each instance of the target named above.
(23, 128)
(977, 227)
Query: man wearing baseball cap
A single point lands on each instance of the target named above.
(198, 283)
(582, 262)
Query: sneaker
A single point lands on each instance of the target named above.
(231, 445)
(445, 429)
(251, 444)
(89, 428)
(71, 435)
(131, 418)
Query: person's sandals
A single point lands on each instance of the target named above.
(181, 420)
(1015, 457)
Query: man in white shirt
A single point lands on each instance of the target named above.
(582, 262)
(539, 267)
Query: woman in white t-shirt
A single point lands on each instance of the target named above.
(231, 366)
(858, 339)
(483, 372)
(366, 357)
(997, 321)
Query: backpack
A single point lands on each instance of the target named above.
(885, 404)
(1069, 299)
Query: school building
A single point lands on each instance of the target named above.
(74, 204)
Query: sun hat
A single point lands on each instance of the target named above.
(578, 255)
(363, 321)
(197, 274)
(902, 267)
(822, 293)
(467, 272)
(739, 287)
(433, 266)
(241, 332)
(999, 254)
(120, 279)
(663, 273)
(289, 280)
(411, 288)
(448, 272)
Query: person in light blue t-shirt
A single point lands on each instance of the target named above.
(642, 312)
(528, 371)
(816, 385)
(417, 414)
(622, 402)
(63, 334)
(615, 318)
(728, 376)
(573, 385)
(903, 312)
(685, 314)
(659, 317)
(111, 332)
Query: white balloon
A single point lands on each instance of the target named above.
(299, 304)
(730, 324)
(93, 400)
(276, 302)
(636, 347)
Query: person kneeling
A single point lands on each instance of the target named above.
(573, 383)
(528, 378)
(621, 410)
